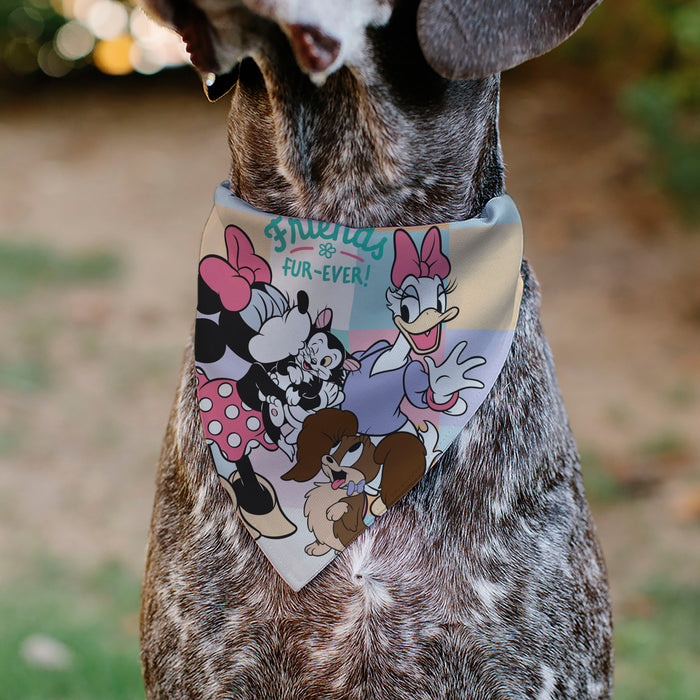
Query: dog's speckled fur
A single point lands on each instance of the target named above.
(486, 581)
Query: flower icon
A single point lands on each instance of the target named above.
(326, 250)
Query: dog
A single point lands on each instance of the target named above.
(341, 508)
(486, 580)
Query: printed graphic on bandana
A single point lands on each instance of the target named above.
(336, 365)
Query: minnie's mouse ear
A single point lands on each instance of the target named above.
(208, 301)
(463, 39)
(302, 301)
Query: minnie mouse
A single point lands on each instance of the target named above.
(245, 328)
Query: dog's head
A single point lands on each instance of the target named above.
(460, 39)
(350, 459)
(220, 33)
(319, 440)
(329, 442)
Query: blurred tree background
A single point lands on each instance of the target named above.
(52, 39)
(646, 51)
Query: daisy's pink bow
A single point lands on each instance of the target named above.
(407, 262)
(232, 279)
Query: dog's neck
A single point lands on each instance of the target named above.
(389, 143)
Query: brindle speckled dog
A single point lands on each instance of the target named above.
(486, 581)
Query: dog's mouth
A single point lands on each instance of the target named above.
(339, 479)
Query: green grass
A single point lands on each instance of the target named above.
(25, 267)
(618, 414)
(602, 487)
(666, 444)
(8, 440)
(25, 376)
(681, 394)
(95, 618)
(658, 652)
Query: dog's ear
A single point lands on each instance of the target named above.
(403, 457)
(191, 23)
(463, 39)
(319, 433)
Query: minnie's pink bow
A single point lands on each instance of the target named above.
(231, 280)
(431, 262)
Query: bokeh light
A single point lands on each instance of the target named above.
(112, 56)
(51, 63)
(26, 20)
(59, 36)
(74, 40)
(107, 19)
(20, 55)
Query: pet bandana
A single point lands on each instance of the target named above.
(335, 365)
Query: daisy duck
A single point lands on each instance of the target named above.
(388, 375)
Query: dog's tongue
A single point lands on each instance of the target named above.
(337, 483)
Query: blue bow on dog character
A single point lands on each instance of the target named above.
(356, 488)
